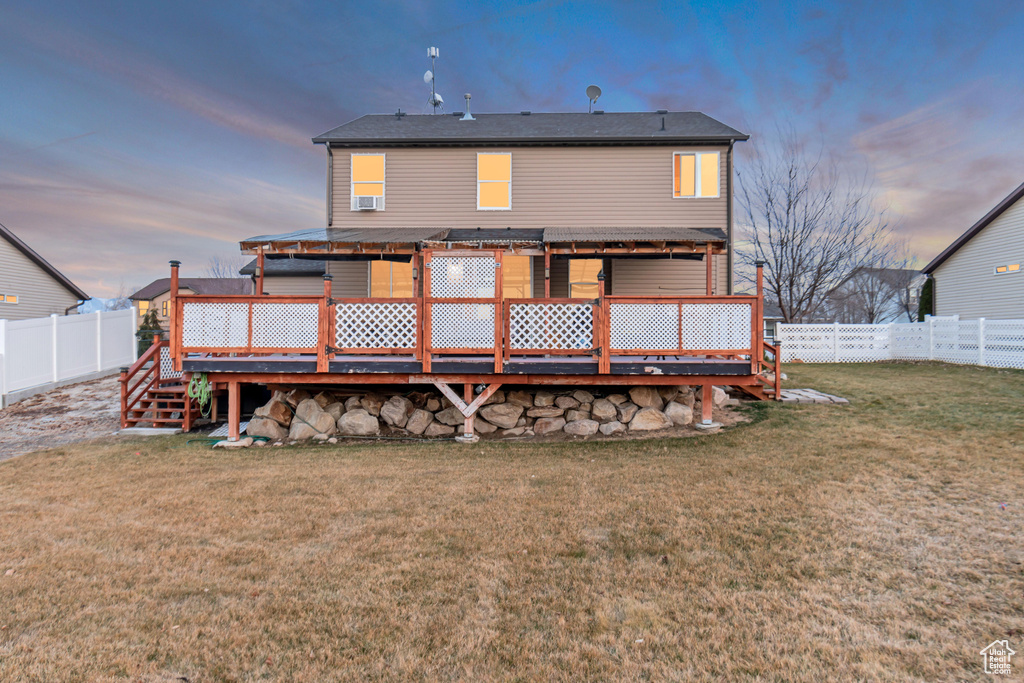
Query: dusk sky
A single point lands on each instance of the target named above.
(134, 133)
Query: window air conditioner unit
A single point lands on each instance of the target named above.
(367, 203)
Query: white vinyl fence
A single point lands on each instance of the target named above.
(995, 343)
(39, 353)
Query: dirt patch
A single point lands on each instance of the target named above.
(73, 413)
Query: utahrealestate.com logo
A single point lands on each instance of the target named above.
(997, 657)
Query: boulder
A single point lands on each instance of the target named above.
(497, 397)
(277, 410)
(450, 416)
(504, 415)
(617, 399)
(438, 429)
(433, 405)
(603, 411)
(615, 427)
(307, 410)
(583, 396)
(549, 411)
(646, 397)
(335, 410)
(648, 419)
(323, 399)
(581, 428)
(718, 397)
(295, 397)
(585, 407)
(567, 402)
(626, 411)
(372, 403)
(515, 431)
(686, 396)
(479, 427)
(309, 423)
(446, 402)
(418, 398)
(419, 421)
(668, 393)
(575, 415)
(358, 422)
(522, 398)
(241, 443)
(396, 411)
(543, 399)
(352, 403)
(679, 414)
(548, 424)
(264, 426)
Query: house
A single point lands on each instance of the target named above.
(981, 274)
(157, 294)
(874, 295)
(29, 286)
(288, 276)
(522, 249)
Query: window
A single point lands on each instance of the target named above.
(163, 309)
(368, 178)
(583, 278)
(695, 174)
(8, 298)
(1009, 268)
(516, 280)
(390, 280)
(493, 181)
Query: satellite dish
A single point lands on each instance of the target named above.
(437, 100)
(593, 92)
(427, 77)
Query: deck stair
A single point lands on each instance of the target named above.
(154, 394)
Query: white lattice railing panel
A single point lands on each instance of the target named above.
(807, 343)
(167, 370)
(551, 326)
(644, 326)
(285, 326)
(724, 327)
(376, 326)
(462, 277)
(214, 325)
(462, 326)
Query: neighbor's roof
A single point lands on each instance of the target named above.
(288, 267)
(199, 285)
(42, 263)
(528, 128)
(975, 229)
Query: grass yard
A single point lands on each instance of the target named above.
(816, 543)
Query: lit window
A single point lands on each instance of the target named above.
(583, 278)
(143, 307)
(390, 280)
(163, 309)
(367, 177)
(695, 174)
(493, 181)
(516, 278)
(9, 298)
(1011, 268)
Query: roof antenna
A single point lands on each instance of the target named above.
(593, 92)
(435, 99)
(467, 116)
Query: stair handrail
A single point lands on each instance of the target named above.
(129, 395)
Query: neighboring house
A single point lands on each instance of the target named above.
(597, 176)
(874, 295)
(771, 318)
(981, 274)
(289, 276)
(29, 286)
(157, 294)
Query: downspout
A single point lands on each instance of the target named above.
(728, 215)
(73, 306)
(330, 186)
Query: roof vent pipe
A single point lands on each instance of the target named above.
(468, 116)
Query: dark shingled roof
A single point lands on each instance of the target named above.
(35, 258)
(657, 234)
(626, 128)
(286, 267)
(199, 285)
(963, 239)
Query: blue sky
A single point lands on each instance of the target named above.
(133, 133)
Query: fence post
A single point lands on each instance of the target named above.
(53, 344)
(3, 362)
(890, 355)
(981, 341)
(931, 338)
(133, 326)
(99, 341)
(835, 342)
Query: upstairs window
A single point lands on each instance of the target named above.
(695, 174)
(368, 181)
(493, 181)
(1008, 268)
(390, 280)
(8, 298)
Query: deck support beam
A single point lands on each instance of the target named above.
(467, 405)
(234, 411)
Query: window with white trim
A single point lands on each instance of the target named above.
(494, 181)
(695, 174)
(1008, 268)
(368, 179)
(8, 298)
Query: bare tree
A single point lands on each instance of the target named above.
(224, 266)
(872, 295)
(811, 223)
(120, 300)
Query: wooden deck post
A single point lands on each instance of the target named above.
(324, 334)
(124, 397)
(547, 272)
(778, 369)
(707, 258)
(467, 396)
(706, 401)
(602, 334)
(757, 353)
(260, 266)
(234, 411)
(174, 324)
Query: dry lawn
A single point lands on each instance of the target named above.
(815, 543)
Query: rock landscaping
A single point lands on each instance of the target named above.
(326, 416)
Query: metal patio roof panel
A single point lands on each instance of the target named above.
(633, 234)
(350, 236)
(537, 128)
(288, 267)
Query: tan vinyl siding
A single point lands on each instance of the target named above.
(551, 186)
(39, 295)
(351, 279)
(538, 277)
(312, 285)
(665, 277)
(966, 284)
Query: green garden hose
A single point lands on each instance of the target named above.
(199, 389)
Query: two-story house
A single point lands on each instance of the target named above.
(584, 249)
